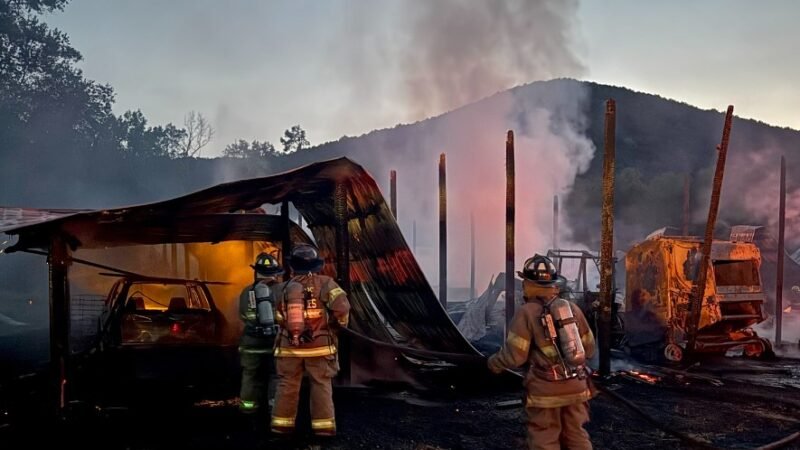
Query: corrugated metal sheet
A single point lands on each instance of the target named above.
(392, 301)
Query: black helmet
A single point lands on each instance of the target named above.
(305, 258)
(267, 265)
(540, 270)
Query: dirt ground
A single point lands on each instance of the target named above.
(719, 406)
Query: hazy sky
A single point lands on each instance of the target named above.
(339, 68)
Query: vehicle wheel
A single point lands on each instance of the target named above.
(767, 352)
(673, 353)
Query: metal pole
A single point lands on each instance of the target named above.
(781, 258)
(699, 288)
(58, 271)
(510, 286)
(286, 243)
(443, 230)
(607, 239)
(342, 238)
(686, 203)
(393, 192)
(471, 256)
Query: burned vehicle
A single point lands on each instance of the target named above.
(660, 274)
(164, 332)
(146, 311)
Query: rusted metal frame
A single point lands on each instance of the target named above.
(510, 212)
(443, 230)
(698, 291)
(58, 261)
(781, 258)
(607, 239)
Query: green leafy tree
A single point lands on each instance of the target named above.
(45, 102)
(294, 139)
(244, 149)
(136, 139)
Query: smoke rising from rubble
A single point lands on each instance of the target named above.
(459, 52)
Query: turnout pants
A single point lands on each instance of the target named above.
(320, 371)
(557, 428)
(257, 367)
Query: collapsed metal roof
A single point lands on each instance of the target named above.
(391, 300)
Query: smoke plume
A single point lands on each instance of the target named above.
(454, 53)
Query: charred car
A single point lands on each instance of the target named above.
(147, 311)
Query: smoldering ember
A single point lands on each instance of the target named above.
(529, 260)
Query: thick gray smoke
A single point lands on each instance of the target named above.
(450, 54)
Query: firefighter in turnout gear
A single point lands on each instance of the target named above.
(310, 307)
(256, 308)
(552, 335)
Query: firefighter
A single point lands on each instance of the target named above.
(552, 335)
(310, 307)
(256, 309)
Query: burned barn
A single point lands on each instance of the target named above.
(400, 332)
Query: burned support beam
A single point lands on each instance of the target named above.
(58, 271)
(510, 287)
(781, 258)
(443, 230)
(342, 242)
(686, 204)
(393, 192)
(286, 242)
(607, 239)
(471, 256)
(699, 287)
(555, 222)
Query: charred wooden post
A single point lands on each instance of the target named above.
(510, 286)
(393, 192)
(174, 258)
(699, 288)
(58, 270)
(781, 258)
(555, 222)
(342, 242)
(286, 243)
(471, 256)
(607, 239)
(686, 203)
(443, 230)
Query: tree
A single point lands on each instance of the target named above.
(198, 133)
(243, 149)
(294, 139)
(45, 103)
(136, 139)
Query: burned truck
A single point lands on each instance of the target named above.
(660, 274)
